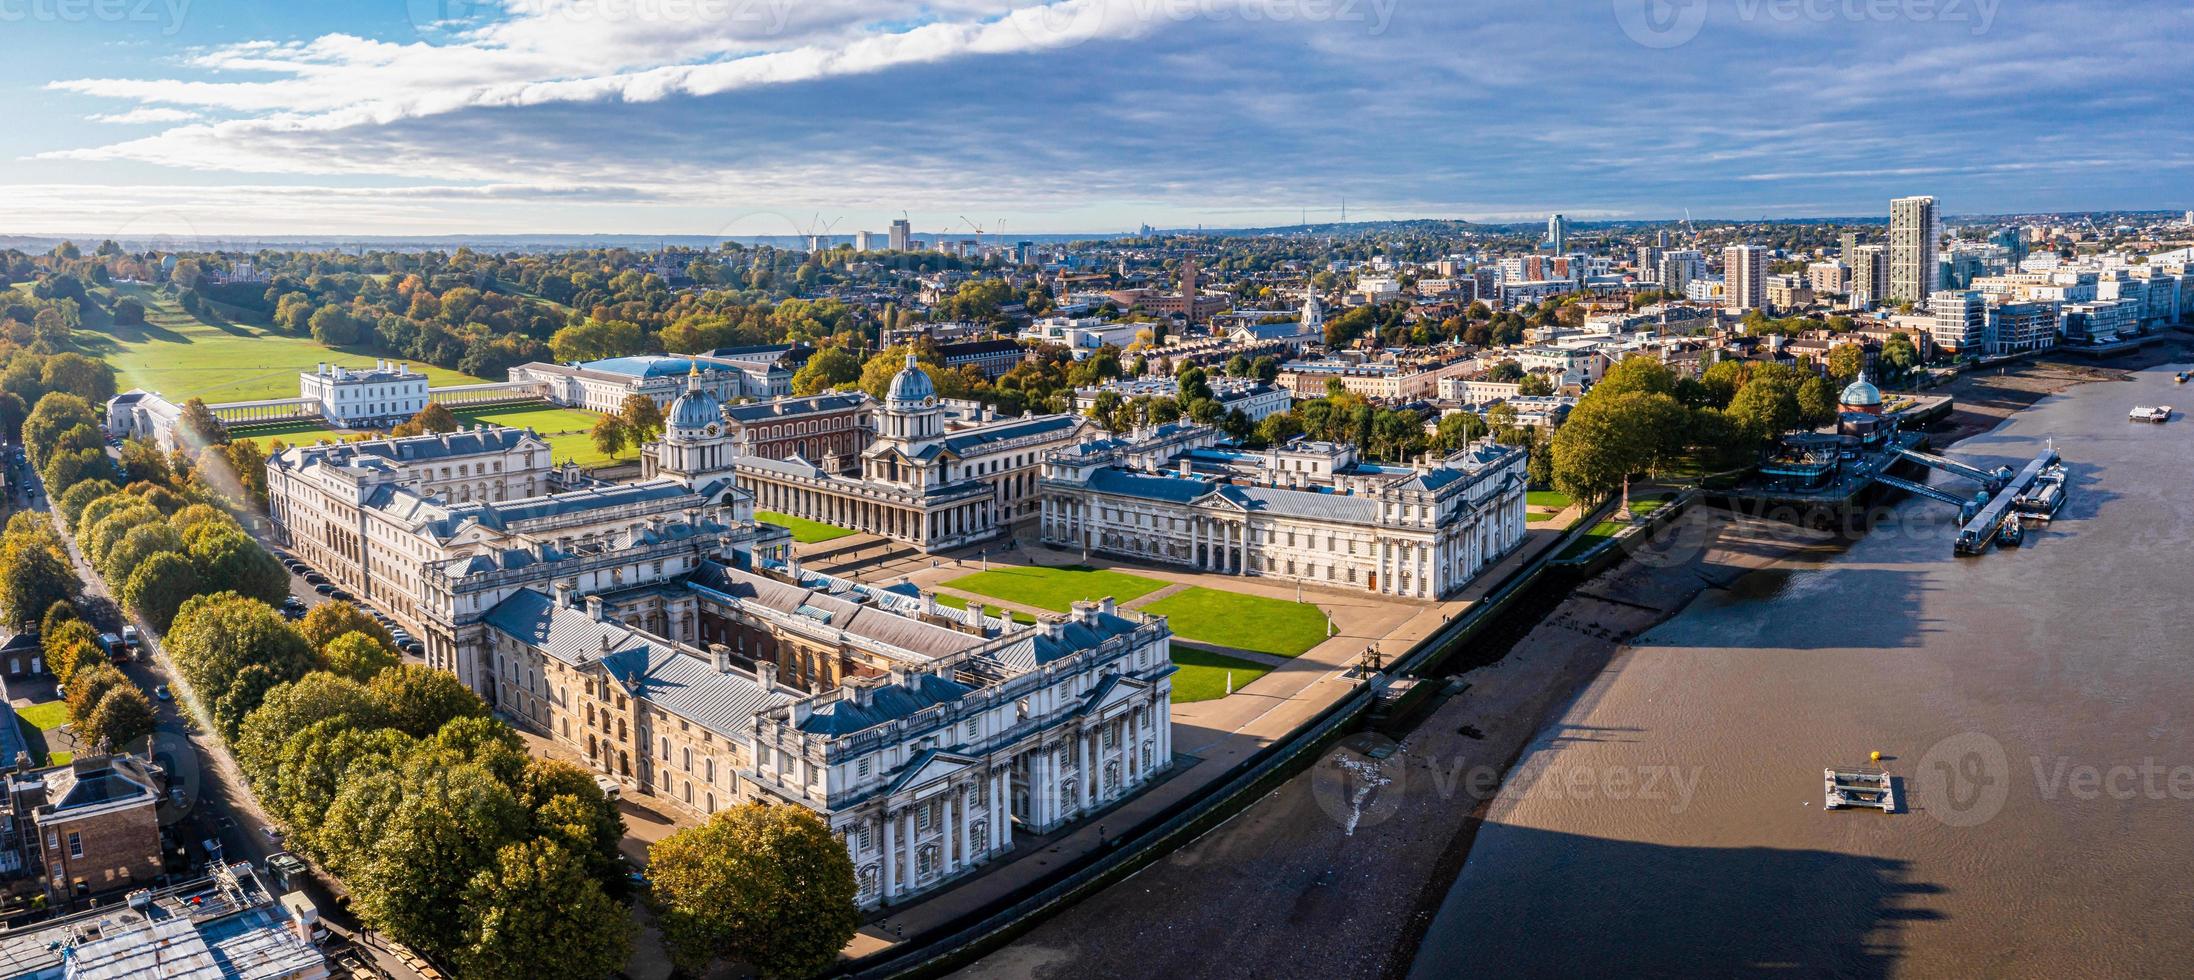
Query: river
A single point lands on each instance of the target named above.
(2035, 704)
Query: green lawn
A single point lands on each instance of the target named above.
(181, 356)
(803, 530)
(45, 717)
(60, 758)
(1055, 588)
(565, 429)
(1203, 675)
(958, 603)
(1591, 539)
(1546, 498)
(1642, 506)
(1244, 622)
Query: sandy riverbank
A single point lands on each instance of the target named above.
(1355, 857)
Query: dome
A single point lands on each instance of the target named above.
(696, 409)
(912, 384)
(1861, 393)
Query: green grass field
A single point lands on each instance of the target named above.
(565, 429)
(181, 356)
(1055, 588)
(1203, 674)
(958, 603)
(1244, 622)
(803, 530)
(45, 717)
(1591, 539)
(1546, 498)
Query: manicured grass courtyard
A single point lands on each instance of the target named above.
(803, 530)
(1056, 588)
(1203, 674)
(565, 429)
(45, 717)
(1244, 622)
(181, 356)
(958, 603)
(1554, 499)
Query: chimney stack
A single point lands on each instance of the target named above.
(721, 655)
(563, 590)
(594, 611)
(765, 672)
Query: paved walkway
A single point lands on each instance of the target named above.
(1210, 738)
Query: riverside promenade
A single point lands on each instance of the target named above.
(1211, 739)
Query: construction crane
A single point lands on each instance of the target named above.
(972, 226)
(815, 236)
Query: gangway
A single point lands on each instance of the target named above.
(1951, 466)
(1921, 489)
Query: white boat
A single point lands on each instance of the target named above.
(2150, 413)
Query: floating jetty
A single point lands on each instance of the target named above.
(1860, 786)
(2149, 413)
(1985, 524)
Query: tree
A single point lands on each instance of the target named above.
(160, 586)
(85, 377)
(122, 719)
(89, 685)
(67, 469)
(1637, 372)
(768, 885)
(33, 576)
(419, 700)
(1535, 385)
(643, 418)
(225, 555)
(1845, 361)
(58, 615)
(1459, 429)
(448, 827)
(568, 807)
(140, 543)
(143, 462)
(1816, 404)
(199, 427)
(826, 369)
(129, 312)
(1596, 449)
(357, 656)
(536, 914)
(330, 620)
(1765, 408)
(610, 435)
(286, 709)
(57, 640)
(218, 639)
(436, 417)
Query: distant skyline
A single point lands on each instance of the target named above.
(727, 118)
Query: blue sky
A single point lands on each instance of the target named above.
(154, 117)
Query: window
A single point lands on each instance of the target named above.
(863, 768)
(861, 839)
(76, 844)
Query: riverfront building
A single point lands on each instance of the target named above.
(919, 483)
(1310, 512)
(927, 736)
(389, 393)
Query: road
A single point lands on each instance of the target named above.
(216, 806)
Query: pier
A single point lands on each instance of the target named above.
(1974, 537)
(1857, 786)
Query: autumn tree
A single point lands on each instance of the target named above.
(535, 913)
(642, 417)
(357, 656)
(330, 620)
(770, 886)
(122, 719)
(610, 435)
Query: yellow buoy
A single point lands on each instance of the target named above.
(1877, 756)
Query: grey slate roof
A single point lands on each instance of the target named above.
(836, 401)
(855, 616)
(887, 702)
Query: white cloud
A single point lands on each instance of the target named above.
(137, 117)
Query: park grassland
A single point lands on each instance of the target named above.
(803, 530)
(182, 356)
(958, 603)
(1055, 587)
(1203, 675)
(1243, 622)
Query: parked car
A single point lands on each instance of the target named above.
(323, 588)
(315, 578)
(114, 646)
(129, 636)
(608, 786)
(163, 693)
(413, 647)
(341, 595)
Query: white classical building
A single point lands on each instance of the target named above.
(1309, 512)
(919, 482)
(385, 394)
